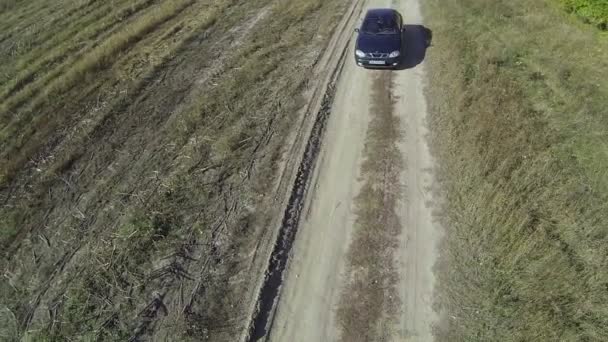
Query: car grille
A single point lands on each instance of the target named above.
(377, 55)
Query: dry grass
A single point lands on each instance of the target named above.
(34, 48)
(519, 118)
(100, 57)
(369, 304)
(50, 73)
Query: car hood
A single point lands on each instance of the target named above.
(378, 43)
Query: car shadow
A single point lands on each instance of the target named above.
(417, 38)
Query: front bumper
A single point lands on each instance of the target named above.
(377, 62)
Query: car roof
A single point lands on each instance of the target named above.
(384, 13)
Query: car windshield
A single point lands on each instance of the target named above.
(377, 25)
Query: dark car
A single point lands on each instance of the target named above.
(379, 41)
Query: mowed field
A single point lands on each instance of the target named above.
(143, 145)
(149, 149)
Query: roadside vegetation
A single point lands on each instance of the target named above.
(519, 119)
(591, 11)
(138, 143)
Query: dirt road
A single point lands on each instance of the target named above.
(316, 284)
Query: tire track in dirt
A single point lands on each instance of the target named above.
(282, 248)
(419, 242)
(269, 293)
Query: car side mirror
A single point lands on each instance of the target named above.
(403, 29)
(356, 30)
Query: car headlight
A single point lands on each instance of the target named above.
(359, 53)
(394, 54)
